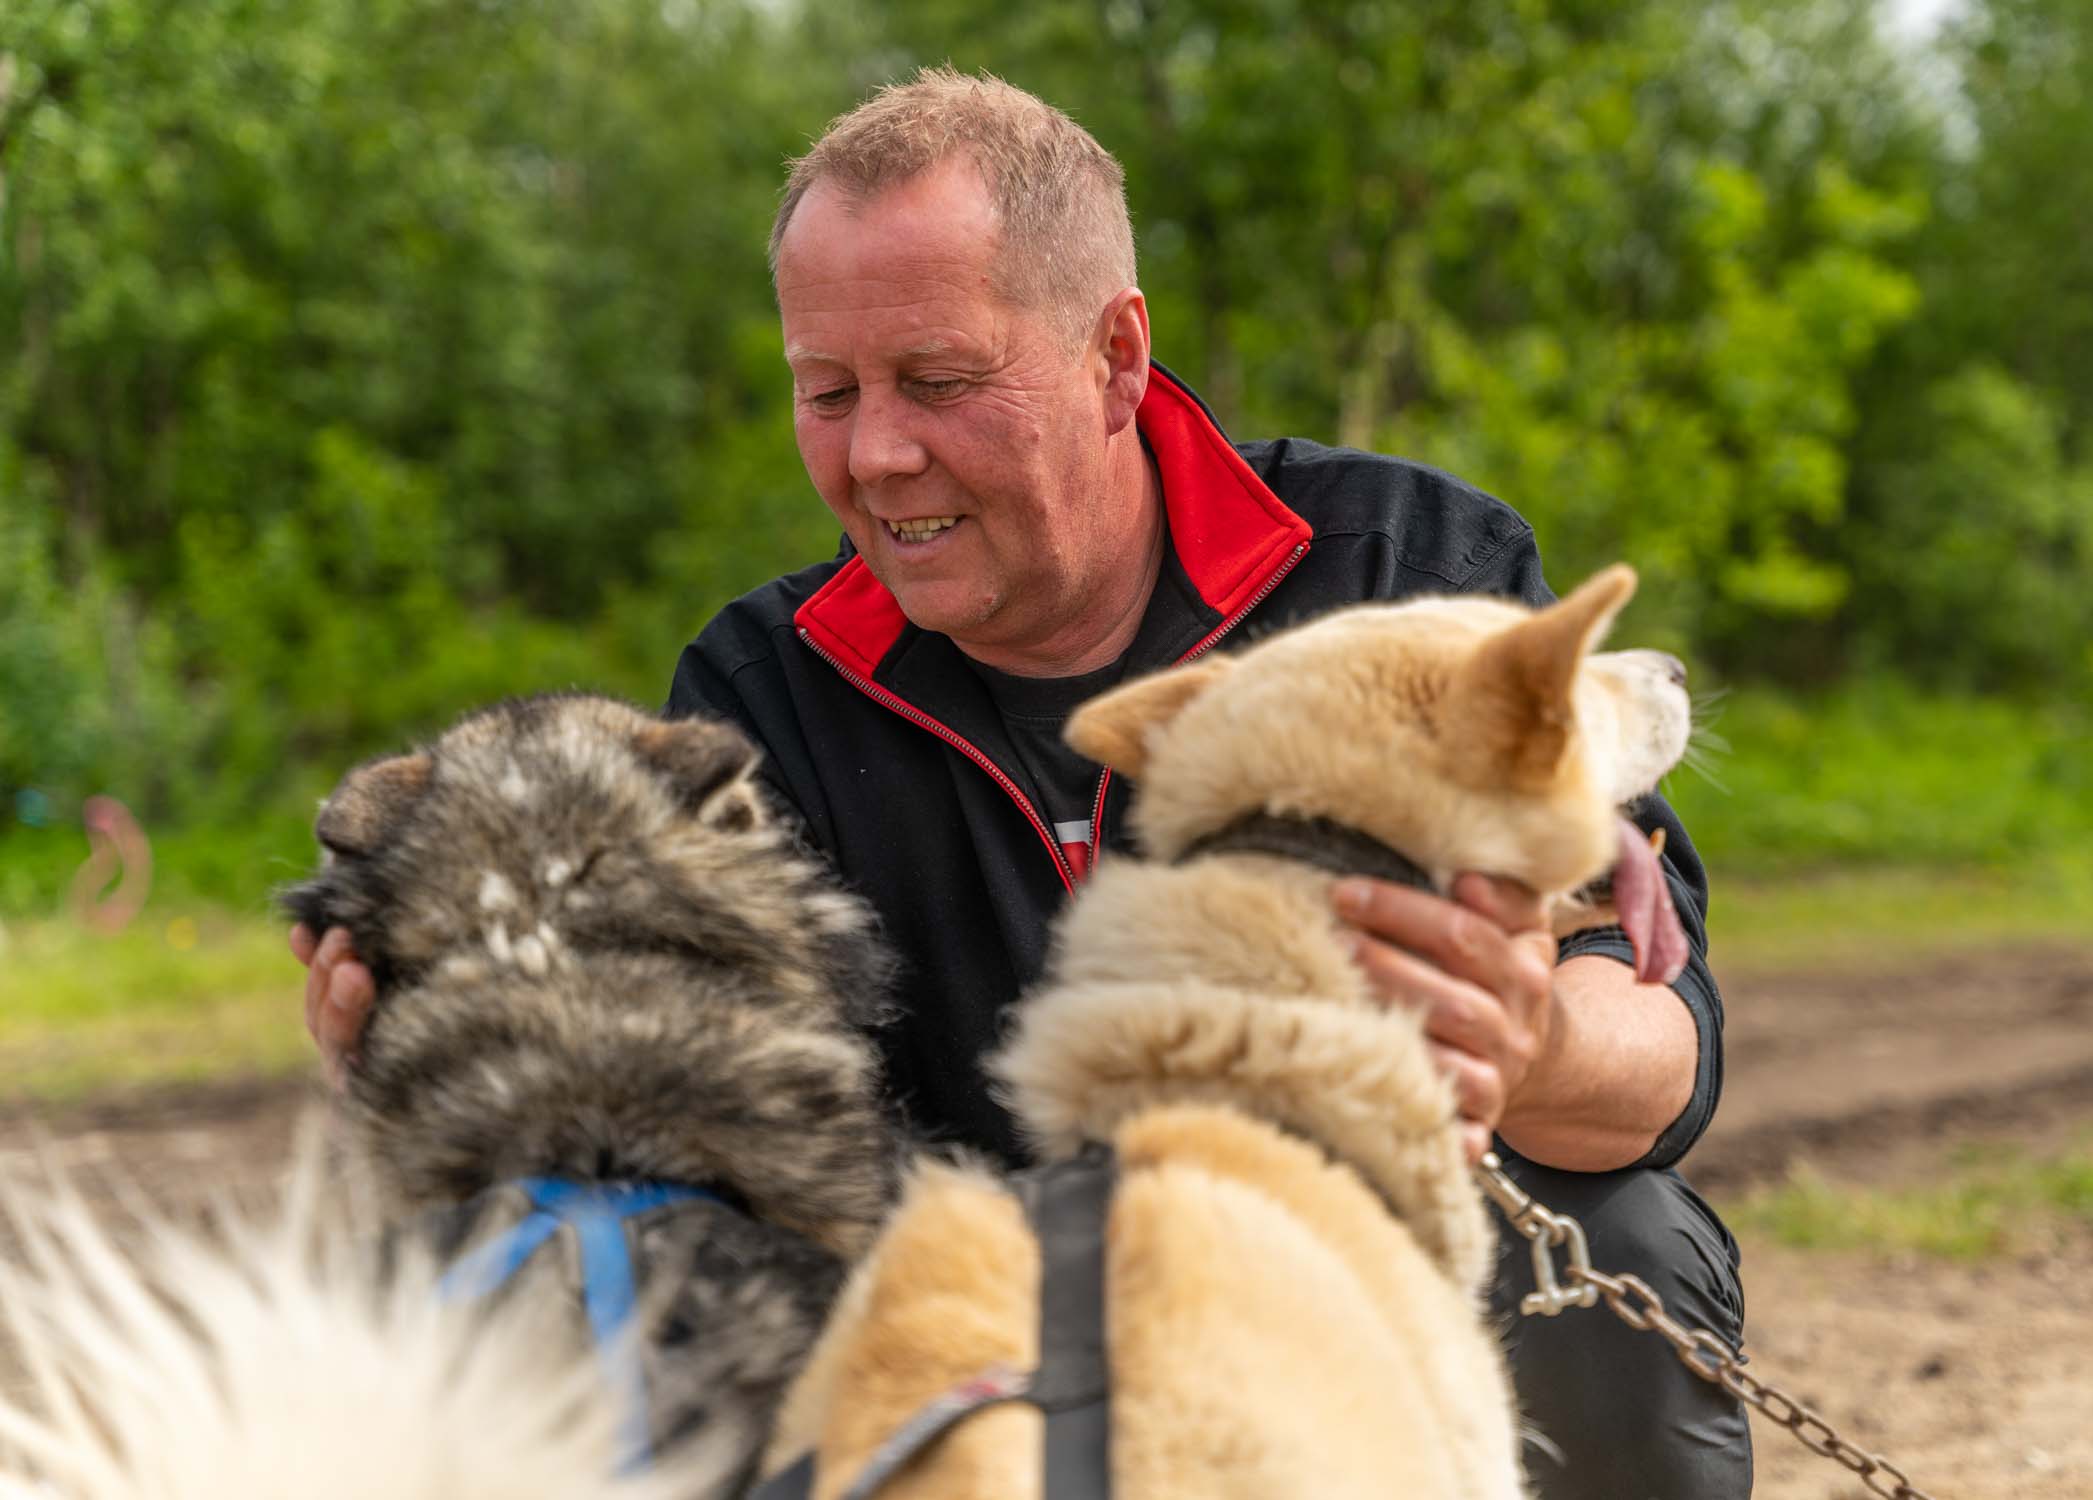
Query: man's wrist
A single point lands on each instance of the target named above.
(1617, 1069)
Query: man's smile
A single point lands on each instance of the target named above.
(920, 530)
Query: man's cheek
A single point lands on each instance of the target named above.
(825, 457)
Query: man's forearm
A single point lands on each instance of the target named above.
(1617, 1068)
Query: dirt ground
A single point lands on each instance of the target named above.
(1976, 1379)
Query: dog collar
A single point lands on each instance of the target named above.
(1323, 842)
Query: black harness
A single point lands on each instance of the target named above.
(1065, 1203)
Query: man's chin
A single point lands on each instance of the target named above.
(943, 611)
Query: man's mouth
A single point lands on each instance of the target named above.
(921, 529)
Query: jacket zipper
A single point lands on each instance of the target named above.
(1300, 550)
(1097, 817)
(1097, 811)
(958, 742)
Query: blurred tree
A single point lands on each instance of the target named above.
(363, 358)
(343, 331)
(1971, 534)
(1979, 557)
(498, 243)
(89, 695)
(2009, 259)
(1619, 263)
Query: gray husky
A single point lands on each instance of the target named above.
(605, 973)
(618, 1059)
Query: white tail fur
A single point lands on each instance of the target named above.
(263, 1360)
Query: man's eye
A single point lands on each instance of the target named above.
(833, 399)
(937, 390)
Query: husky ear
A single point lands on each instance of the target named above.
(1515, 691)
(1113, 728)
(370, 799)
(709, 765)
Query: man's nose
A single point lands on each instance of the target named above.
(883, 444)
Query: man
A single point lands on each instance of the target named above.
(1033, 511)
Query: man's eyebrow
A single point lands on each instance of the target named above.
(931, 348)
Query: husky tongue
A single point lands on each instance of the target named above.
(1642, 898)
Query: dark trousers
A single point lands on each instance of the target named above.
(1631, 1422)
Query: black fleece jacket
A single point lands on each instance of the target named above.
(892, 752)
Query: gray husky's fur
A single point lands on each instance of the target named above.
(600, 957)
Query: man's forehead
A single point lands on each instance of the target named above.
(940, 223)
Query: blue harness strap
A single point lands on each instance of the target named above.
(597, 1213)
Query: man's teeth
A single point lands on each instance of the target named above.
(922, 530)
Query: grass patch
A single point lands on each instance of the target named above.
(182, 994)
(1887, 917)
(219, 868)
(1875, 825)
(1990, 1201)
(1880, 824)
(1878, 774)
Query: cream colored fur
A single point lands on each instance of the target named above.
(260, 1362)
(1296, 1248)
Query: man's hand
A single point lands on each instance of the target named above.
(338, 995)
(1480, 969)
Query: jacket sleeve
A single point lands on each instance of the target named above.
(1514, 571)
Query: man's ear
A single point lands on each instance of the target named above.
(1120, 346)
(1113, 728)
(709, 766)
(1514, 693)
(369, 801)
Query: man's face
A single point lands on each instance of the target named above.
(960, 440)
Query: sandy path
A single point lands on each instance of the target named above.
(1978, 1380)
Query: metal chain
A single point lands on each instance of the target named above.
(1699, 1350)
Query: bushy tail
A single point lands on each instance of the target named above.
(266, 1357)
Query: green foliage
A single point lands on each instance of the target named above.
(1970, 535)
(1579, 255)
(1990, 1203)
(2006, 264)
(371, 360)
(1850, 916)
(235, 865)
(1981, 543)
(1882, 774)
(1688, 410)
(182, 995)
(88, 691)
(363, 359)
(495, 244)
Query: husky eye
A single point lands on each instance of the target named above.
(559, 872)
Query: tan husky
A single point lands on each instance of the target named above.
(1295, 1248)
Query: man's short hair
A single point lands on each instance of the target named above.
(1060, 198)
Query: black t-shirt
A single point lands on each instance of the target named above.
(1062, 783)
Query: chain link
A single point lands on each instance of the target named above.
(1579, 1284)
